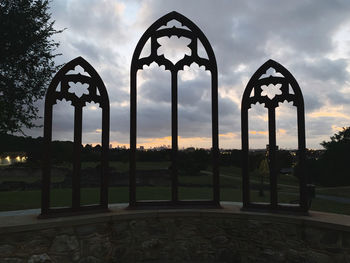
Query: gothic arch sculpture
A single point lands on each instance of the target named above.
(290, 92)
(96, 93)
(193, 33)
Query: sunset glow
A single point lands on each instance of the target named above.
(314, 48)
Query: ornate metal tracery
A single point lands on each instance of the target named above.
(290, 92)
(96, 93)
(192, 32)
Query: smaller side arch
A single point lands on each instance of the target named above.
(287, 81)
(96, 93)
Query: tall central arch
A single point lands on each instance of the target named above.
(193, 33)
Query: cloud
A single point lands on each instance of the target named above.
(304, 36)
(324, 70)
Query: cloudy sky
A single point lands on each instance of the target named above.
(310, 38)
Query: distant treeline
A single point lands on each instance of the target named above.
(11, 144)
(62, 151)
(328, 167)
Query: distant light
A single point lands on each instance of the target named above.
(18, 158)
(8, 158)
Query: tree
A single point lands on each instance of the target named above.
(284, 159)
(264, 171)
(333, 164)
(26, 60)
(339, 141)
(192, 163)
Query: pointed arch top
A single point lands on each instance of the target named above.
(97, 91)
(287, 81)
(155, 31)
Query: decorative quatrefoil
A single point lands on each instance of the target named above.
(271, 90)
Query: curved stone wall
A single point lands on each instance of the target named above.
(220, 235)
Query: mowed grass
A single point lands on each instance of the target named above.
(343, 191)
(121, 166)
(18, 200)
(230, 181)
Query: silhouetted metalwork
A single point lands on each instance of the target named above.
(193, 33)
(290, 92)
(59, 90)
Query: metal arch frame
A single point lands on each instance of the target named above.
(298, 101)
(95, 83)
(153, 33)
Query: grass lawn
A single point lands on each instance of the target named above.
(343, 191)
(17, 200)
(230, 181)
(121, 166)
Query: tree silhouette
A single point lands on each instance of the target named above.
(26, 60)
(332, 168)
(340, 140)
(335, 160)
(264, 171)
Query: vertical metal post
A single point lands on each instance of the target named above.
(174, 137)
(78, 116)
(104, 156)
(301, 154)
(215, 136)
(272, 156)
(245, 156)
(45, 193)
(132, 176)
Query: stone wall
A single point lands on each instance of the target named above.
(220, 235)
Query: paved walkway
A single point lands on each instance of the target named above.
(38, 210)
(338, 199)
